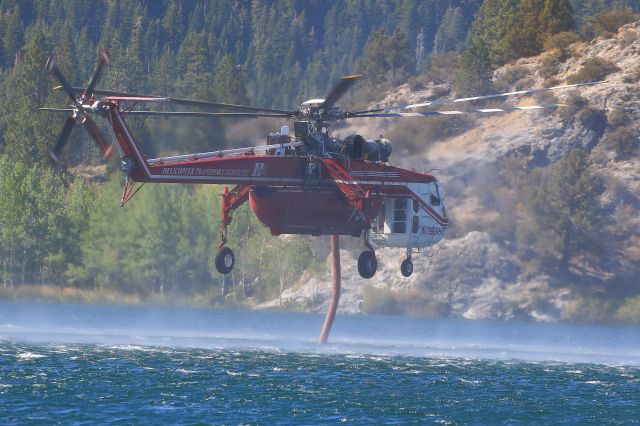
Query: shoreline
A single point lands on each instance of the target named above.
(49, 294)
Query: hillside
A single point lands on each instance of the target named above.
(482, 269)
(547, 200)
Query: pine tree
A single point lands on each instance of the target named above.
(524, 36)
(564, 217)
(228, 82)
(556, 17)
(476, 70)
(451, 32)
(490, 28)
(28, 134)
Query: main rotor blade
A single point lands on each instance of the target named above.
(103, 59)
(208, 114)
(137, 97)
(56, 109)
(338, 91)
(465, 111)
(485, 97)
(105, 146)
(54, 154)
(53, 69)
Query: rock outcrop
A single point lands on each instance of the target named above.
(473, 274)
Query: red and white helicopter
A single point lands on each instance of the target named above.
(305, 183)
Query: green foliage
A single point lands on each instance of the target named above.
(562, 40)
(37, 217)
(563, 215)
(550, 62)
(594, 69)
(452, 31)
(387, 58)
(534, 23)
(476, 70)
(490, 28)
(556, 17)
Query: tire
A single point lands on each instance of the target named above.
(225, 260)
(406, 268)
(367, 264)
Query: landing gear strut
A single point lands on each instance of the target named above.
(367, 262)
(231, 200)
(406, 267)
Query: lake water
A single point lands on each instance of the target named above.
(130, 365)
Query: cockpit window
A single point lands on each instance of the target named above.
(435, 194)
(416, 206)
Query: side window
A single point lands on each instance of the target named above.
(415, 225)
(416, 207)
(400, 216)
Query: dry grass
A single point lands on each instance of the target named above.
(50, 293)
(55, 294)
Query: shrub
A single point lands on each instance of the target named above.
(589, 309)
(633, 76)
(511, 76)
(546, 98)
(627, 37)
(606, 24)
(552, 82)
(379, 300)
(562, 41)
(624, 141)
(440, 91)
(415, 84)
(629, 311)
(550, 62)
(443, 68)
(592, 118)
(594, 69)
(574, 104)
(618, 117)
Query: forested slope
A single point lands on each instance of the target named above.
(63, 227)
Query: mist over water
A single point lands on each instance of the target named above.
(298, 332)
(132, 365)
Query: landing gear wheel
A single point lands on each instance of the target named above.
(367, 264)
(225, 260)
(406, 268)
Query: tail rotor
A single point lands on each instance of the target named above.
(82, 106)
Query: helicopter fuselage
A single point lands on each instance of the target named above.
(407, 208)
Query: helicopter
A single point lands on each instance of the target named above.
(308, 182)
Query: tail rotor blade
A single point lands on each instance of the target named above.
(62, 139)
(103, 59)
(105, 146)
(339, 90)
(53, 69)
